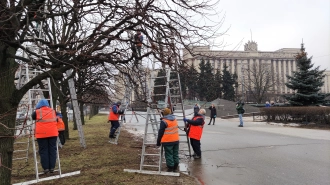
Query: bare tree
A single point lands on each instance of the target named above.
(59, 35)
(258, 81)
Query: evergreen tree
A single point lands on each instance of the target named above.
(192, 79)
(209, 88)
(202, 84)
(183, 71)
(306, 82)
(227, 84)
(217, 84)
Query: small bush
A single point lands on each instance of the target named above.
(319, 115)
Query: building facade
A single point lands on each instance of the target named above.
(277, 64)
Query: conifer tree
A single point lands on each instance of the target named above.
(227, 84)
(192, 79)
(218, 83)
(306, 82)
(202, 80)
(209, 87)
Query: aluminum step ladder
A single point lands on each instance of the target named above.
(76, 110)
(152, 158)
(33, 96)
(125, 104)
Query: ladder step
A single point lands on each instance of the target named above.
(159, 77)
(150, 143)
(20, 151)
(159, 85)
(158, 94)
(148, 165)
(20, 158)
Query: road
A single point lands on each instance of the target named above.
(257, 154)
(260, 154)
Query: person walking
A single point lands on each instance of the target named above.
(46, 134)
(196, 109)
(168, 137)
(240, 112)
(60, 128)
(213, 114)
(113, 118)
(195, 130)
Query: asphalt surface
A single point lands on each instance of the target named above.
(260, 154)
(256, 154)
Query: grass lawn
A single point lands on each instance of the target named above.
(101, 162)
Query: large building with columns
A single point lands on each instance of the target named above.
(278, 63)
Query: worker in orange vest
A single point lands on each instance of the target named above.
(168, 137)
(195, 130)
(114, 114)
(60, 127)
(46, 133)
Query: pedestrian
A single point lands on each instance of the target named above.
(194, 131)
(138, 37)
(60, 128)
(168, 137)
(213, 113)
(196, 109)
(267, 104)
(46, 133)
(114, 114)
(240, 111)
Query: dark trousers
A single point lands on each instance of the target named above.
(61, 136)
(211, 120)
(172, 155)
(196, 145)
(114, 126)
(47, 152)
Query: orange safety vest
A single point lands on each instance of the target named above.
(196, 131)
(113, 116)
(171, 133)
(46, 124)
(60, 124)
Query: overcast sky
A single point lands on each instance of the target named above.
(277, 24)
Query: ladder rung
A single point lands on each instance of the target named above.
(149, 143)
(158, 94)
(151, 154)
(21, 142)
(175, 96)
(159, 85)
(39, 89)
(20, 158)
(20, 151)
(159, 77)
(148, 165)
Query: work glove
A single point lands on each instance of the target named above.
(215, 116)
(185, 119)
(158, 144)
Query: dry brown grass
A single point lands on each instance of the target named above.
(101, 162)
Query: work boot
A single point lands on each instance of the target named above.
(170, 169)
(112, 136)
(197, 157)
(175, 168)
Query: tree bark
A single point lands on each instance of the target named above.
(8, 107)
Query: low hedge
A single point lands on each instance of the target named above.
(320, 115)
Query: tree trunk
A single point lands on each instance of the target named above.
(8, 107)
(81, 107)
